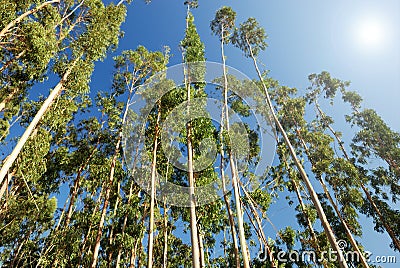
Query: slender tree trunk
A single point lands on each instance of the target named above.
(5, 185)
(309, 224)
(229, 210)
(153, 191)
(192, 201)
(5, 66)
(226, 199)
(132, 259)
(389, 230)
(77, 185)
(138, 252)
(259, 227)
(201, 249)
(124, 227)
(193, 218)
(28, 131)
(242, 238)
(105, 205)
(225, 254)
(23, 16)
(62, 214)
(165, 250)
(87, 236)
(111, 236)
(310, 188)
(345, 226)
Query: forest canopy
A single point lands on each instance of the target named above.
(178, 165)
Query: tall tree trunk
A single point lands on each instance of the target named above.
(193, 218)
(242, 238)
(5, 66)
(309, 224)
(225, 193)
(259, 227)
(105, 205)
(24, 15)
(124, 227)
(28, 131)
(228, 206)
(138, 253)
(87, 236)
(153, 191)
(111, 236)
(77, 182)
(201, 249)
(5, 185)
(165, 249)
(133, 256)
(310, 188)
(345, 226)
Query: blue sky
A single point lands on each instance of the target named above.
(353, 40)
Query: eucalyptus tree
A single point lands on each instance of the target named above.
(144, 65)
(250, 38)
(222, 26)
(372, 131)
(32, 161)
(314, 145)
(28, 42)
(76, 59)
(193, 51)
(133, 67)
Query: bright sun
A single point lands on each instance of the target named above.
(370, 34)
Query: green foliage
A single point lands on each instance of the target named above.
(249, 37)
(223, 23)
(76, 147)
(192, 46)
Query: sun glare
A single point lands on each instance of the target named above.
(370, 34)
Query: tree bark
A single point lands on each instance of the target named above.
(111, 236)
(28, 131)
(201, 247)
(193, 218)
(225, 192)
(165, 250)
(153, 191)
(242, 238)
